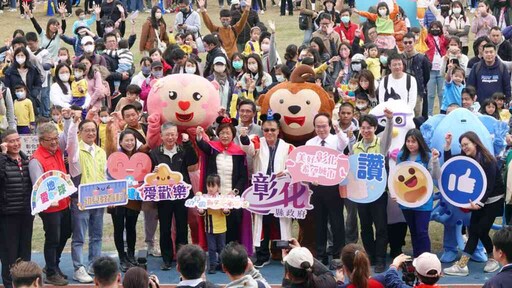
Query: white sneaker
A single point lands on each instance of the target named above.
(12, 10)
(81, 276)
(491, 266)
(456, 270)
(472, 11)
(153, 251)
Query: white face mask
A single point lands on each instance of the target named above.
(63, 58)
(219, 68)
(79, 74)
(109, 29)
(158, 16)
(253, 67)
(20, 95)
(265, 47)
(190, 70)
(21, 59)
(104, 119)
(280, 78)
(89, 48)
(361, 106)
(56, 119)
(64, 77)
(383, 12)
(457, 10)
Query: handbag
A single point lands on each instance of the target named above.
(199, 43)
(304, 21)
(159, 44)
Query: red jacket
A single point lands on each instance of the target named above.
(52, 162)
(372, 283)
(348, 31)
(431, 43)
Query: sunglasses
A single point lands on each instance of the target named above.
(408, 42)
(269, 130)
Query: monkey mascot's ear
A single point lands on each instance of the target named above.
(302, 74)
(226, 120)
(270, 116)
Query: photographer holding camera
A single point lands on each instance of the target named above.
(426, 268)
(137, 277)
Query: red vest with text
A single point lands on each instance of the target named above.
(52, 162)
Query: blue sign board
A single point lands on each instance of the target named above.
(103, 194)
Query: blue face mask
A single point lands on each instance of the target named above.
(158, 74)
(238, 65)
(345, 19)
(146, 70)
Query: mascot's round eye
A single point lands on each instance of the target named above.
(173, 95)
(412, 171)
(197, 96)
(281, 101)
(308, 102)
(401, 178)
(399, 120)
(157, 177)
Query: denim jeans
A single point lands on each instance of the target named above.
(216, 243)
(45, 102)
(82, 221)
(418, 222)
(435, 84)
(307, 35)
(13, 4)
(136, 5)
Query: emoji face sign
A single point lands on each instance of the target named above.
(163, 176)
(120, 166)
(411, 184)
(184, 99)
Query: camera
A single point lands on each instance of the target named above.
(336, 264)
(142, 259)
(280, 244)
(409, 273)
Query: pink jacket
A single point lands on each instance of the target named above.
(95, 89)
(144, 93)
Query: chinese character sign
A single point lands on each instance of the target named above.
(367, 177)
(205, 201)
(29, 144)
(102, 194)
(411, 184)
(318, 164)
(49, 188)
(270, 194)
(164, 184)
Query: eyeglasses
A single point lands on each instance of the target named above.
(56, 139)
(86, 131)
(322, 126)
(266, 130)
(408, 42)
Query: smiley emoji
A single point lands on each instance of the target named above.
(411, 184)
(163, 176)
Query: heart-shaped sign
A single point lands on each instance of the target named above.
(120, 166)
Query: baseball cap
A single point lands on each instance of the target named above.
(219, 59)
(358, 57)
(427, 262)
(235, 2)
(297, 256)
(87, 39)
(157, 64)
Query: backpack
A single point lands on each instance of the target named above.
(393, 94)
(478, 66)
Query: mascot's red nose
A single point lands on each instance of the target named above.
(184, 105)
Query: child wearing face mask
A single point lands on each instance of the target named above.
(102, 126)
(56, 112)
(125, 59)
(267, 40)
(82, 21)
(483, 21)
(23, 111)
(362, 104)
(384, 24)
(373, 61)
(79, 86)
(253, 45)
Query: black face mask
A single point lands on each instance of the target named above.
(184, 10)
(435, 32)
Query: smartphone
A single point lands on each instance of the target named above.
(337, 264)
(280, 244)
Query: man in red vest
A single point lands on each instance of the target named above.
(56, 219)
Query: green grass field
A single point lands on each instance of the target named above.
(287, 32)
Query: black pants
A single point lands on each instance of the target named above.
(124, 218)
(57, 230)
(283, 7)
(233, 223)
(328, 208)
(68, 5)
(263, 252)
(30, 4)
(262, 4)
(15, 242)
(374, 214)
(166, 211)
(480, 224)
(396, 237)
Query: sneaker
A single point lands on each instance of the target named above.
(379, 268)
(132, 260)
(1, 11)
(124, 265)
(12, 10)
(154, 251)
(260, 263)
(58, 272)
(472, 11)
(81, 276)
(491, 266)
(90, 270)
(262, 12)
(165, 266)
(56, 280)
(456, 270)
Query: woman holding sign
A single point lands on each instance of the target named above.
(15, 219)
(485, 211)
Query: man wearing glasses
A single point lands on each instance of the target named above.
(56, 219)
(326, 199)
(418, 66)
(269, 155)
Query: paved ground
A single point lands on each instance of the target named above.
(273, 272)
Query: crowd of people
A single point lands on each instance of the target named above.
(85, 95)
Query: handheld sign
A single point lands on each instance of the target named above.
(49, 188)
(227, 201)
(29, 144)
(132, 169)
(366, 180)
(411, 184)
(102, 194)
(164, 184)
(278, 196)
(322, 165)
(462, 180)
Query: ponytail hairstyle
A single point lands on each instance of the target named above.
(356, 261)
(303, 275)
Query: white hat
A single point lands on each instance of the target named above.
(358, 58)
(235, 2)
(86, 39)
(427, 262)
(297, 256)
(219, 59)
